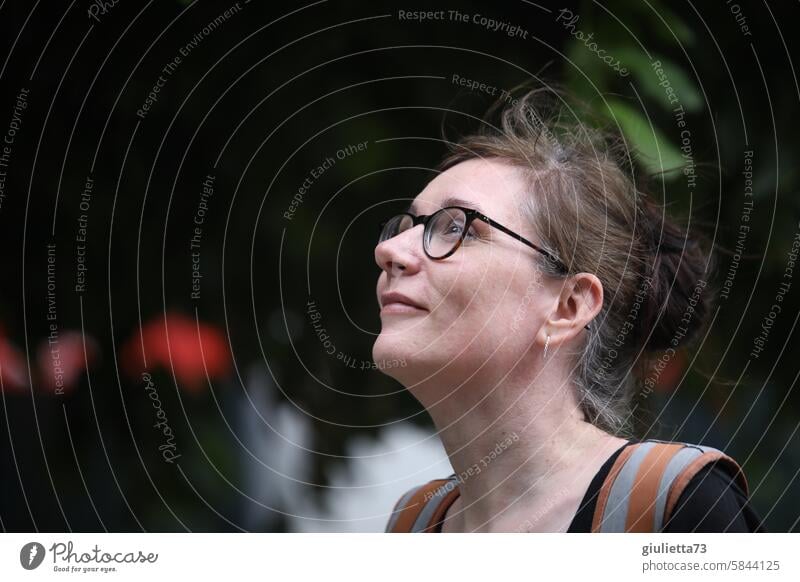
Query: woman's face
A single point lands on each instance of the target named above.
(487, 300)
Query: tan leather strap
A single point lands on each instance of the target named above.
(441, 508)
(642, 503)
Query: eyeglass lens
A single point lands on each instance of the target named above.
(442, 233)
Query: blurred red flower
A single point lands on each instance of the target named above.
(176, 342)
(61, 363)
(13, 370)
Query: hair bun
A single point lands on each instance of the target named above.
(679, 298)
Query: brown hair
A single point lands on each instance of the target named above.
(590, 208)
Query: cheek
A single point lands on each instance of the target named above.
(506, 302)
(478, 303)
(460, 294)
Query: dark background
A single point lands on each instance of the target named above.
(259, 103)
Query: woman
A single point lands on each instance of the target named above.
(521, 287)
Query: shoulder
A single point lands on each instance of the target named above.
(656, 485)
(713, 501)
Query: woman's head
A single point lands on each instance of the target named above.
(574, 192)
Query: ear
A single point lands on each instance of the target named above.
(580, 300)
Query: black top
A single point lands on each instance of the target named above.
(711, 502)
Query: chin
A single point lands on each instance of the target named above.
(397, 356)
(386, 350)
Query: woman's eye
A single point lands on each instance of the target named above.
(452, 229)
(455, 229)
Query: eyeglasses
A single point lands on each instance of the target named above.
(446, 229)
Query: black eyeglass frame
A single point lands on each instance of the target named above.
(471, 214)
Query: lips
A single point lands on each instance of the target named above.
(394, 301)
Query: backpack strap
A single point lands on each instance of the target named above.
(421, 509)
(646, 481)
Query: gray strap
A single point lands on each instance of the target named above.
(616, 509)
(424, 517)
(399, 507)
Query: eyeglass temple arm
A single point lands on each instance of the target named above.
(522, 239)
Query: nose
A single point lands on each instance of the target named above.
(401, 254)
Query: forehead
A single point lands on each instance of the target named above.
(491, 186)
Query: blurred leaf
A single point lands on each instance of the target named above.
(653, 149)
(651, 83)
(670, 25)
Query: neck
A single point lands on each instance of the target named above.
(515, 443)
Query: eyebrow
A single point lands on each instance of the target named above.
(452, 201)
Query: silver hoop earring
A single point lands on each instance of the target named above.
(546, 343)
